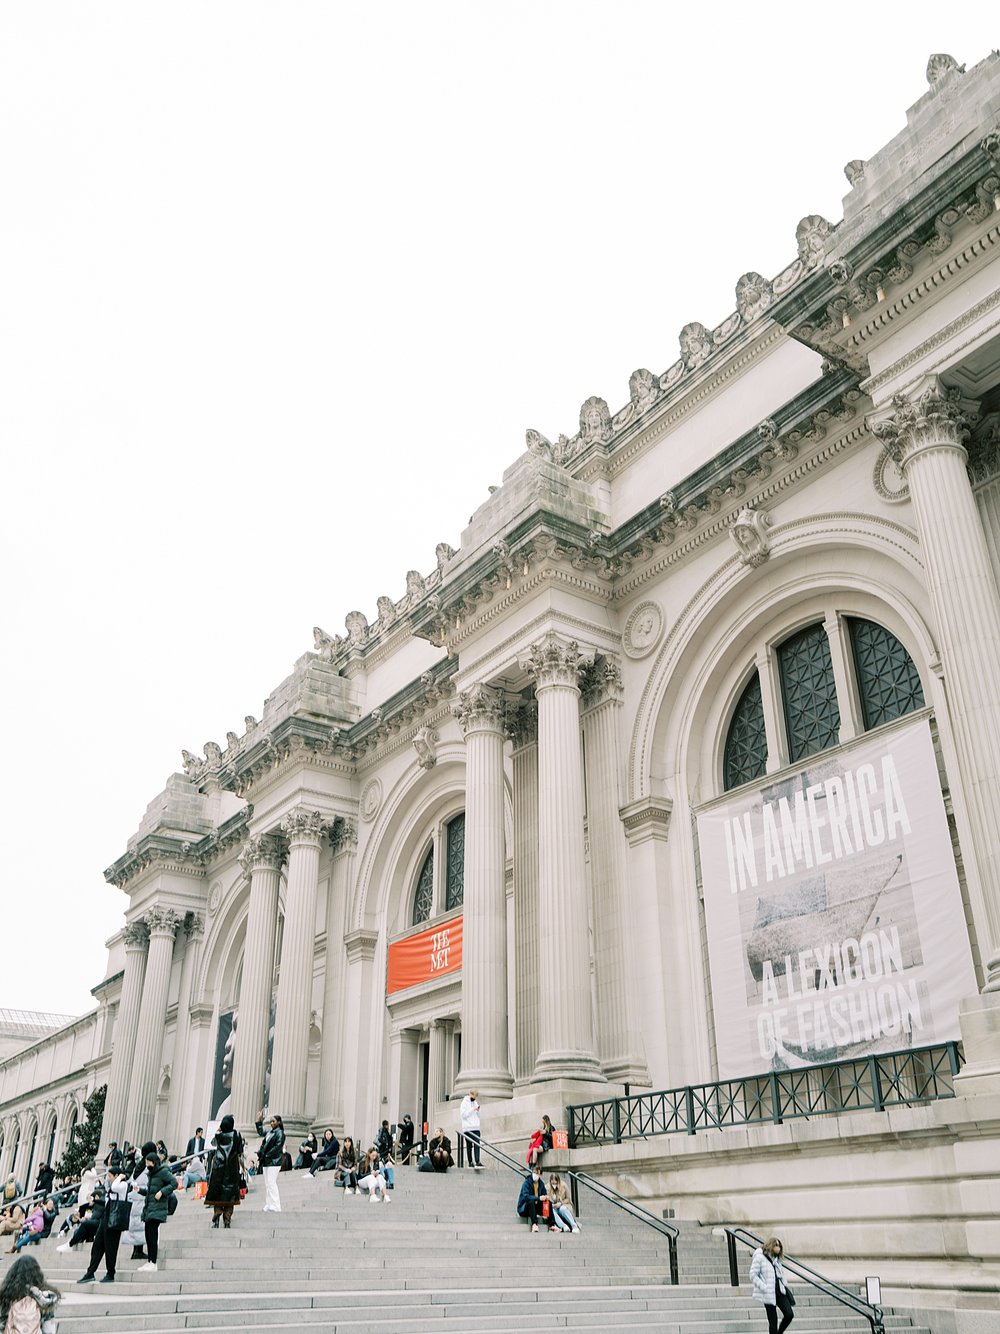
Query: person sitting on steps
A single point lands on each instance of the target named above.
(530, 1200)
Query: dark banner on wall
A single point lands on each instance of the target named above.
(226, 1056)
(834, 914)
(426, 955)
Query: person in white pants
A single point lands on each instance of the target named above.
(272, 1147)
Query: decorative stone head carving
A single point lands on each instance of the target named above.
(386, 610)
(753, 296)
(444, 554)
(213, 752)
(812, 235)
(940, 65)
(642, 389)
(749, 532)
(357, 627)
(696, 345)
(537, 443)
(595, 421)
(414, 584)
(854, 170)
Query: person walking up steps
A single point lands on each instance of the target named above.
(224, 1172)
(161, 1185)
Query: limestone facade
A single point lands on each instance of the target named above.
(515, 753)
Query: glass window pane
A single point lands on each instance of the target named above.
(888, 682)
(455, 880)
(423, 900)
(746, 745)
(808, 692)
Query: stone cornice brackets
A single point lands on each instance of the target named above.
(749, 531)
(927, 419)
(425, 744)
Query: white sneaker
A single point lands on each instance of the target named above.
(147, 1268)
(64, 1248)
(386, 1200)
(373, 1198)
(348, 1190)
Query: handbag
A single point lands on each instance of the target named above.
(200, 1189)
(171, 1203)
(119, 1214)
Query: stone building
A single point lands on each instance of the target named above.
(684, 767)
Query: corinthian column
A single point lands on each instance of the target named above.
(566, 1020)
(304, 830)
(135, 936)
(162, 923)
(262, 858)
(485, 1047)
(181, 1085)
(523, 731)
(926, 435)
(330, 1102)
(619, 1042)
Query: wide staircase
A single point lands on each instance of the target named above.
(447, 1254)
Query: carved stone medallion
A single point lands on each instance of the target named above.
(888, 479)
(214, 898)
(643, 630)
(371, 799)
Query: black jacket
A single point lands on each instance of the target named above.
(272, 1146)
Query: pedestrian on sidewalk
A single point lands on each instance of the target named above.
(470, 1128)
(269, 1155)
(531, 1199)
(25, 1299)
(225, 1175)
(159, 1188)
(770, 1287)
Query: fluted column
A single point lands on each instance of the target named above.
(926, 434)
(435, 1071)
(330, 1102)
(178, 1121)
(523, 731)
(485, 1046)
(162, 923)
(566, 1022)
(262, 858)
(304, 830)
(136, 938)
(619, 1040)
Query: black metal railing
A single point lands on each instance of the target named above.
(874, 1083)
(578, 1179)
(796, 1269)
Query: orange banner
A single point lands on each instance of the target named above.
(426, 955)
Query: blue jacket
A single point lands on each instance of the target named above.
(528, 1189)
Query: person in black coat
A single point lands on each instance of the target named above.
(269, 1155)
(196, 1144)
(326, 1157)
(225, 1173)
(406, 1138)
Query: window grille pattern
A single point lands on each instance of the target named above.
(455, 879)
(746, 744)
(809, 693)
(423, 900)
(888, 683)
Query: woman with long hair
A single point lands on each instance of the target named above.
(770, 1287)
(347, 1165)
(563, 1219)
(25, 1300)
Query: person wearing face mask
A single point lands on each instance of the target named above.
(530, 1200)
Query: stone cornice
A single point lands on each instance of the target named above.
(847, 301)
(180, 856)
(648, 818)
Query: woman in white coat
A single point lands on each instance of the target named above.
(769, 1285)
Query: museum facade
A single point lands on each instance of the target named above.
(683, 767)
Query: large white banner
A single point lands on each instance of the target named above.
(834, 914)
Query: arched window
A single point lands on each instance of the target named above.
(885, 679)
(808, 692)
(455, 882)
(888, 684)
(423, 899)
(746, 744)
(440, 885)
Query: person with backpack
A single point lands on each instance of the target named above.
(225, 1173)
(159, 1190)
(26, 1303)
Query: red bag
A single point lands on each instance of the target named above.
(200, 1189)
(545, 1208)
(560, 1139)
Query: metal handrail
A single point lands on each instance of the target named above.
(612, 1196)
(873, 1314)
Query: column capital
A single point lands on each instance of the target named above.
(930, 416)
(522, 723)
(601, 682)
(162, 922)
(554, 661)
(265, 850)
(136, 936)
(480, 709)
(194, 925)
(344, 835)
(305, 826)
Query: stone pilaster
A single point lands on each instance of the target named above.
(136, 938)
(485, 1046)
(566, 1021)
(304, 830)
(261, 858)
(523, 731)
(359, 1094)
(436, 1060)
(330, 1102)
(162, 923)
(619, 1039)
(182, 1083)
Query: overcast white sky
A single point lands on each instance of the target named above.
(281, 287)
